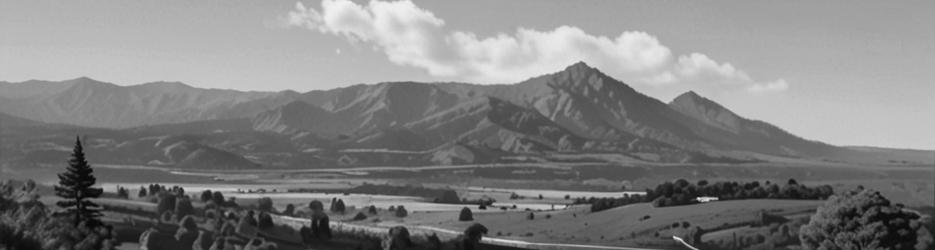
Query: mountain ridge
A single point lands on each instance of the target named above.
(579, 110)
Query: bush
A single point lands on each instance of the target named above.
(249, 219)
(166, 202)
(401, 212)
(289, 211)
(183, 207)
(338, 206)
(218, 198)
(372, 209)
(206, 195)
(265, 204)
(316, 205)
(861, 218)
(360, 216)
(265, 221)
(466, 215)
(531, 216)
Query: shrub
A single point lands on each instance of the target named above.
(466, 215)
(338, 206)
(249, 219)
(401, 212)
(531, 216)
(861, 218)
(206, 195)
(360, 216)
(265, 221)
(166, 202)
(265, 204)
(289, 211)
(316, 205)
(183, 207)
(218, 198)
(372, 209)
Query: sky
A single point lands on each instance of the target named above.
(842, 72)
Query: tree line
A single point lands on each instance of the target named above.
(683, 192)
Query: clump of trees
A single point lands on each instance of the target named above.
(682, 192)
(337, 206)
(26, 223)
(466, 215)
(601, 204)
(864, 219)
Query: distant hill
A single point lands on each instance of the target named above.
(91, 103)
(576, 111)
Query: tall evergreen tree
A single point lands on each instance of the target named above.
(75, 186)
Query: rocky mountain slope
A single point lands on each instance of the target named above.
(577, 111)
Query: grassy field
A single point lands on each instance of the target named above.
(623, 226)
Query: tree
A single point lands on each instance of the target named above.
(206, 195)
(338, 206)
(123, 192)
(218, 198)
(183, 207)
(861, 219)
(166, 202)
(372, 209)
(449, 197)
(265, 220)
(76, 187)
(360, 216)
(289, 211)
(265, 204)
(466, 215)
(142, 192)
(401, 211)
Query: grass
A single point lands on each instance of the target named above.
(622, 226)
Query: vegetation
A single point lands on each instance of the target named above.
(76, 188)
(863, 219)
(26, 223)
(682, 192)
(465, 215)
(446, 196)
(265, 204)
(401, 211)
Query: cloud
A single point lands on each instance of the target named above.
(775, 86)
(415, 37)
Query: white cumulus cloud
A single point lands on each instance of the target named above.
(412, 36)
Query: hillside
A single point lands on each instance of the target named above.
(91, 103)
(578, 110)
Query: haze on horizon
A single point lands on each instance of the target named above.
(851, 73)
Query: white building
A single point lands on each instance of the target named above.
(704, 199)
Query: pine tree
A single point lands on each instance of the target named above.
(76, 187)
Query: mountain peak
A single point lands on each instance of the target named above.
(694, 99)
(580, 66)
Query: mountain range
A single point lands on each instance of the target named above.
(578, 114)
